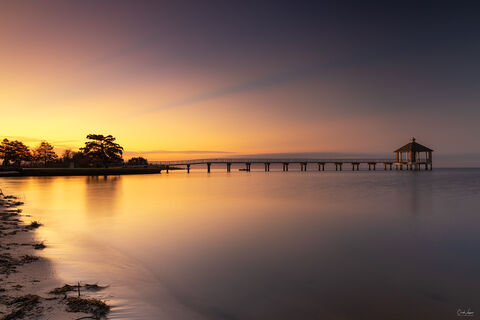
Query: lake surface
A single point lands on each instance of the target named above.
(256, 245)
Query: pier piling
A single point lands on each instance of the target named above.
(321, 166)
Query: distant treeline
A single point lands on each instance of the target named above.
(99, 151)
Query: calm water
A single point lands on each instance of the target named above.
(296, 245)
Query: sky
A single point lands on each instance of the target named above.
(196, 79)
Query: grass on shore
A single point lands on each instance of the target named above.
(88, 305)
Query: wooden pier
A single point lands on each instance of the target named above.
(411, 161)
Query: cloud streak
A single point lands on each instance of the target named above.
(178, 152)
(268, 81)
(33, 140)
(312, 71)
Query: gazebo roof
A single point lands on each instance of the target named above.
(413, 147)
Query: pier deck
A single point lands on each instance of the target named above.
(412, 161)
(303, 163)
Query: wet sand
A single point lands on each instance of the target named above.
(26, 278)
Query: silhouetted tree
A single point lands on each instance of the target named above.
(81, 160)
(67, 155)
(103, 148)
(137, 161)
(44, 152)
(14, 151)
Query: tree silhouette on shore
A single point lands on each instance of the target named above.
(137, 161)
(14, 151)
(103, 148)
(99, 149)
(44, 152)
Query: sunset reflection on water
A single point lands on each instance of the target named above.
(329, 245)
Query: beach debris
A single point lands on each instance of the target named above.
(14, 211)
(32, 306)
(39, 246)
(70, 288)
(21, 306)
(9, 203)
(15, 314)
(8, 264)
(34, 225)
(88, 305)
(28, 258)
(63, 290)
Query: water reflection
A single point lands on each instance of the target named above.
(101, 195)
(420, 194)
(329, 245)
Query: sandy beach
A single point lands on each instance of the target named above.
(28, 286)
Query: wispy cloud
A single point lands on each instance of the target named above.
(33, 140)
(268, 81)
(256, 84)
(177, 152)
(306, 72)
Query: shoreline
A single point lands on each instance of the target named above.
(45, 172)
(29, 288)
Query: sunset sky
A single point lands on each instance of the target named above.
(178, 79)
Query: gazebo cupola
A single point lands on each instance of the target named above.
(415, 155)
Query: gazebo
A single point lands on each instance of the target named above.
(413, 156)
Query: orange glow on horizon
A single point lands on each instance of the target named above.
(163, 102)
